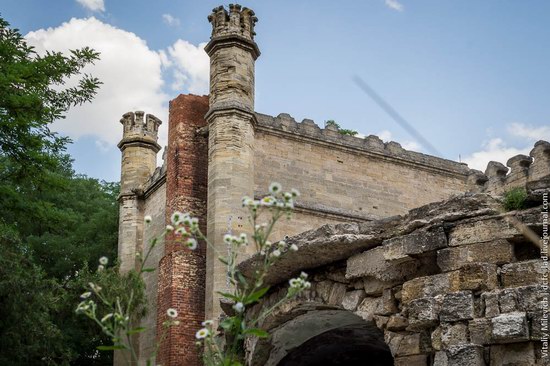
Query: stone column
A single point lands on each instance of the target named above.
(139, 149)
(232, 52)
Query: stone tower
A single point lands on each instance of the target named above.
(139, 149)
(230, 118)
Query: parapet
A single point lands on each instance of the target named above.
(140, 129)
(238, 21)
(521, 170)
(285, 125)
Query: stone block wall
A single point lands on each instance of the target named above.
(520, 171)
(154, 206)
(451, 283)
(345, 178)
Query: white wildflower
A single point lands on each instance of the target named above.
(100, 268)
(295, 193)
(294, 247)
(275, 188)
(207, 323)
(172, 313)
(191, 243)
(107, 317)
(148, 219)
(94, 287)
(169, 228)
(176, 217)
(276, 253)
(103, 260)
(238, 307)
(86, 295)
(202, 333)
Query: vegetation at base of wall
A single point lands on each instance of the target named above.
(54, 223)
(342, 131)
(221, 344)
(515, 199)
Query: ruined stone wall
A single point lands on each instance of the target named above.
(344, 178)
(154, 206)
(451, 283)
(181, 272)
(520, 171)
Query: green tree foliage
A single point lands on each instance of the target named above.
(54, 224)
(32, 96)
(342, 131)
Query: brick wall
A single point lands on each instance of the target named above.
(182, 272)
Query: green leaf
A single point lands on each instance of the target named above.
(229, 296)
(260, 333)
(253, 297)
(228, 323)
(110, 348)
(136, 330)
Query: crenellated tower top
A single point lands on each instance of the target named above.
(237, 24)
(238, 21)
(139, 127)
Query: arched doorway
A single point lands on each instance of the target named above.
(329, 338)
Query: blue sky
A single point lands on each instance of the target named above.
(471, 76)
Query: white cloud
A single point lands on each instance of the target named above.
(529, 133)
(93, 5)
(191, 67)
(394, 4)
(131, 74)
(494, 150)
(497, 149)
(170, 20)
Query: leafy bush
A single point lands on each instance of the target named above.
(515, 199)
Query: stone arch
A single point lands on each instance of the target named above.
(451, 283)
(315, 329)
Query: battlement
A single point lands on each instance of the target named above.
(372, 145)
(520, 170)
(239, 21)
(134, 124)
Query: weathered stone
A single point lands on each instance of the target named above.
(441, 359)
(510, 327)
(387, 304)
(416, 360)
(352, 299)
(481, 231)
(520, 354)
(522, 273)
(465, 355)
(430, 286)
(453, 334)
(324, 288)
(538, 324)
(457, 306)
(372, 263)
(478, 276)
(404, 344)
(496, 251)
(423, 312)
(507, 301)
(397, 322)
(480, 331)
(530, 298)
(367, 308)
(380, 321)
(401, 248)
(489, 302)
(337, 293)
(374, 286)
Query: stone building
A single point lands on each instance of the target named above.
(220, 149)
